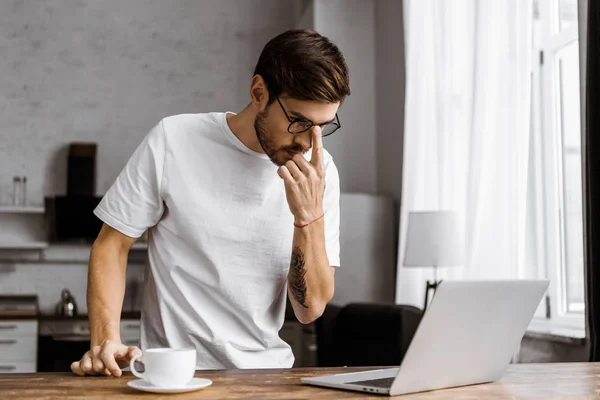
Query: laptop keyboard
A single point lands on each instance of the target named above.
(384, 383)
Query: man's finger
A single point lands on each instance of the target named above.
(76, 368)
(284, 173)
(301, 162)
(128, 352)
(124, 356)
(317, 147)
(108, 358)
(97, 365)
(86, 365)
(292, 167)
(133, 351)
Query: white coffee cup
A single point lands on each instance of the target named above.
(165, 367)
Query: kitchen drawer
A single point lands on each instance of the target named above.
(16, 367)
(18, 349)
(15, 328)
(130, 329)
(131, 342)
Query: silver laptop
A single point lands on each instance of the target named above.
(468, 335)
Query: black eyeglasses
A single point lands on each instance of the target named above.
(299, 125)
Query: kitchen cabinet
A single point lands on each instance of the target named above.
(130, 332)
(63, 340)
(18, 345)
(22, 228)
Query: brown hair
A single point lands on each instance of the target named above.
(304, 65)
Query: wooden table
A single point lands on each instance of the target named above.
(524, 381)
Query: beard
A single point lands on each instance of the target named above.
(278, 155)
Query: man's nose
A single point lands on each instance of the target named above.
(304, 139)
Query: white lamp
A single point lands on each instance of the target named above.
(433, 240)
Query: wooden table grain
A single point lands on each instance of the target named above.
(523, 381)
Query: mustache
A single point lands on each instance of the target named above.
(294, 148)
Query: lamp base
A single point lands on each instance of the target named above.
(430, 285)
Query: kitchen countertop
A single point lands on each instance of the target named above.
(64, 253)
(34, 314)
(521, 381)
(124, 315)
(54, 317)
(289, 316)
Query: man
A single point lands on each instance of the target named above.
(228, 200)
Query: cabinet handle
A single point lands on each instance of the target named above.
(7, 327)
(8, 367)
(12, 341)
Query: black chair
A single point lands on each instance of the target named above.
(363, 334)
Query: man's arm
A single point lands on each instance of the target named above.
(311, 277)
(132, 204)
(106, 284)
(105, 292)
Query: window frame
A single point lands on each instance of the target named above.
(552, 316)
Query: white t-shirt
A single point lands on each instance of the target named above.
(220, 241)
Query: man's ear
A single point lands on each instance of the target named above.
(259, 94)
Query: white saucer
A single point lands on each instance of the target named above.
(194, 384)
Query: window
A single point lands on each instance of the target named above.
(555, 187)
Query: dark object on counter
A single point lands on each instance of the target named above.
(67, 306)
(72, 218)
(81, 169)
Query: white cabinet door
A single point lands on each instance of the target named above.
(16, 328)
(130, 332)
(15, 367)
(18, 349)
(18, 346)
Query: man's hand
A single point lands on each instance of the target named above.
(305, 182)
(106, 359)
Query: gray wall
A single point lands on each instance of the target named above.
(304, 14)
(368, 148)
(367, 244)
(107, 71)
(351, 25)
(390, 81)
(81, 70)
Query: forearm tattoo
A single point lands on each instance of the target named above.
(296, 276)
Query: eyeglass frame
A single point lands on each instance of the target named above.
(312, 124)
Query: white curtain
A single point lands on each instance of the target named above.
(466, 134)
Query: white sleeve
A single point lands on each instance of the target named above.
(134, 202)
(331, 208)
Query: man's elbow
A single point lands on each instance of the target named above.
(314, 309)
(309, 315)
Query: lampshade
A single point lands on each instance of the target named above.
(433, 239)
